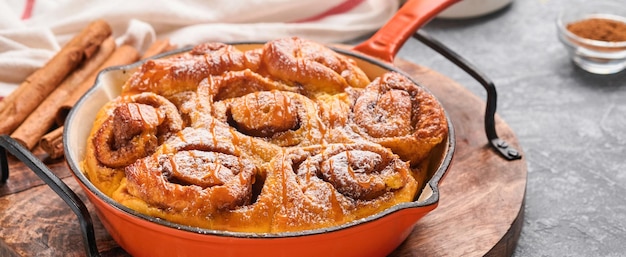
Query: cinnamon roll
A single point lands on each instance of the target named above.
(185, 71)
(195, 183)
(129, 128)
(282, 118)
(335, 184)
(396, 113)
(313, 66)
(289, 136)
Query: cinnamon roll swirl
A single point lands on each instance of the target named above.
(197, 183)
(335, 184)
(282, 118)
(129, 128)
(396, 113)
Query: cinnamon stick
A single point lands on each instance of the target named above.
(43, 117)
(12, 97)
(158, 47)
(123, 55)
(52, 143)
(43, 81)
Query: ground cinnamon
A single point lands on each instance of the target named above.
(599, 29)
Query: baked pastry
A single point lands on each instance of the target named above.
(290, 136)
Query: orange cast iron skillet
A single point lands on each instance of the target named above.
(377, 235)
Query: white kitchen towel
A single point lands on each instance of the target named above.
(32, 31)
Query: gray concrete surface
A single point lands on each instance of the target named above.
(571, 124)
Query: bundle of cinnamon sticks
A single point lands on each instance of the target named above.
(34, 113)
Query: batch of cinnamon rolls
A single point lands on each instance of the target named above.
(289, 136)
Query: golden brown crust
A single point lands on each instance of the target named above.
(215, 181)
(339, 183)
(183, 72)
(396, 113)
(287, 137)
(312, 66)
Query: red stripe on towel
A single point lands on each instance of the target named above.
(341, 8)
(28, 9)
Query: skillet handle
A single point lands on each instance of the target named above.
(505, 150)
(413, 14)
(11, 146)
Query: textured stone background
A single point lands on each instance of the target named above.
(571, 124)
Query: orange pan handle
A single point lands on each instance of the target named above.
(386, 42)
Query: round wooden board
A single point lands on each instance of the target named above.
(481, 208)
(480, 212)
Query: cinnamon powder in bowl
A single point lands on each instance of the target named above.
(595, 36)
(599, 29)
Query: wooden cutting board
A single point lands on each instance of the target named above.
(480, 212)
(481, 209)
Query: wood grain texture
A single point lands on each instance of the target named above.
(480, 212)
(21, 178)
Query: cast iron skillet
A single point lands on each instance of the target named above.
(142, 235)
